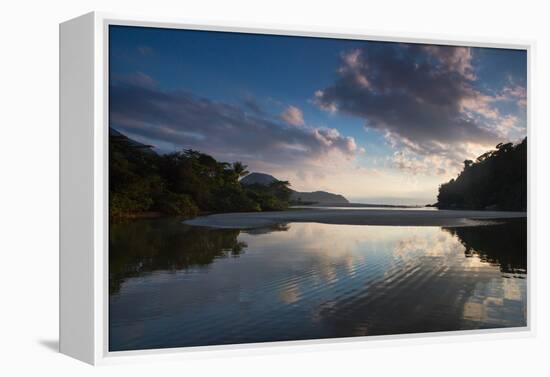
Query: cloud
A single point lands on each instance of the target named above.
(454, 59)
(293, 115)
(138, 79)
(330, 137)
(174, 120)
(423, 99)
(509, 126)
(514, 93)
(425, 165)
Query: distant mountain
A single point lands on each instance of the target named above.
(318, 197)
(258, 178)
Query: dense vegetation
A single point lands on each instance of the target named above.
(496, 180)
(183, 183)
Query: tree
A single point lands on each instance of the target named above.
(497, 180)
(182, 183)
(240, 169)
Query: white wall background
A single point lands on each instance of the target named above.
(29, 184)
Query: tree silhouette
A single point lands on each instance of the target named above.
(240, 169)
(497, 181)
(182, 183)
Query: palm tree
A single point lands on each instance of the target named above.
(240, 169)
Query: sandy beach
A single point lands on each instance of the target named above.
(405, 217)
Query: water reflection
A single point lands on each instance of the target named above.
(174, 285)
(141, 247)
(502, 244)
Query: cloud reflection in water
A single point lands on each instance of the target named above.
(183, 286)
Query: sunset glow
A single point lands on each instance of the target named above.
(377, 122)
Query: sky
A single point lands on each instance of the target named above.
(378, 122)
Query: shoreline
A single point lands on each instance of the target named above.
(393, 217)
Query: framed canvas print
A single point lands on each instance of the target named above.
(238, 187)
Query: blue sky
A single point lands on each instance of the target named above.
(374, 121)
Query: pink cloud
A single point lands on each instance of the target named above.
(293, 115)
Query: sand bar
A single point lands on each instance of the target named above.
(405, 217)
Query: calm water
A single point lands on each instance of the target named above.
(173, 285)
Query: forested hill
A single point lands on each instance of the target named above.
(497, 180)
(315, 197)
(183, 183)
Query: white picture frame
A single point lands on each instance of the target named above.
(84, 190)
